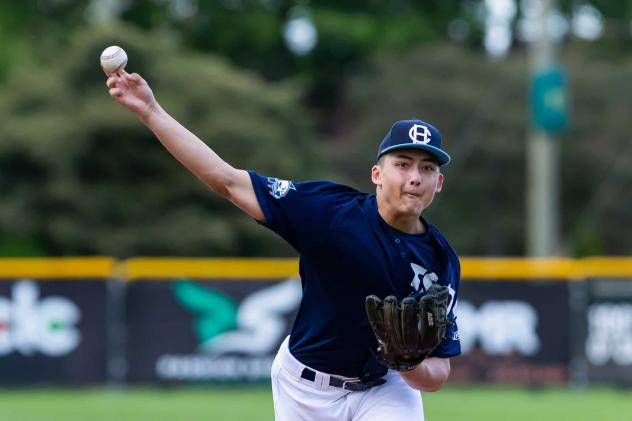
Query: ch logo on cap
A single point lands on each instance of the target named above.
(418, 131)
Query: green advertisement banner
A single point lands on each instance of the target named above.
(207, 330)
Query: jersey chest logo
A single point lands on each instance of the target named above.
(422, 280)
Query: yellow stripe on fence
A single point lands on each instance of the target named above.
(211, 268)
(595, 267)
(266, 268)
(63, 267)
(562, 269)
(516, 268)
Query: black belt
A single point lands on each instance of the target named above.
(352, 385)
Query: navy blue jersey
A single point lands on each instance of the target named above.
(347, 252)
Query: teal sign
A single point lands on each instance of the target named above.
(549, 100)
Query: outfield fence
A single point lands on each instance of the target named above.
(96, 320)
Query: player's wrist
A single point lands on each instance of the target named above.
(151, 114)
(429, 376)
(413, 378)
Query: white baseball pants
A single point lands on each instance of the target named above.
(296, 398)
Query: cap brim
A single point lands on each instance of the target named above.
(442, 157)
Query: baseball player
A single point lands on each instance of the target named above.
(347, 357)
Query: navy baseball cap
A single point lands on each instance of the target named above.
(414, 134)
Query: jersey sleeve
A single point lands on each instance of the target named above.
(451, 345)
(299, 212)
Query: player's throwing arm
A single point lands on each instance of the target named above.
(133, 92)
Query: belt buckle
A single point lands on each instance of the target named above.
(345, 382)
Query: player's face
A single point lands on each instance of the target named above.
(407, 181)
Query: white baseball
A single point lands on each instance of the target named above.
(113, 59)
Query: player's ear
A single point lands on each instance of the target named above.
(376, 175)
(439, 183)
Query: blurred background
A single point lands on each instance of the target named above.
(532, 98)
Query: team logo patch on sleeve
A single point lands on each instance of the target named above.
(279, 188)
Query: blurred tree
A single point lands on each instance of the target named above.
(367, 69)
(35, 31)
(80, 175)
(250, 33)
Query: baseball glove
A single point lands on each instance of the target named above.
(409, 330)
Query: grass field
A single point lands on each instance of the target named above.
(254, 404)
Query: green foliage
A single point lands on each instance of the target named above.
(81, 175)
(596, 158)
(250, 34)
(14, 55)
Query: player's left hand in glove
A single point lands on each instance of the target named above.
(408, 330)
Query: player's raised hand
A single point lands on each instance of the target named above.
(132, 92)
